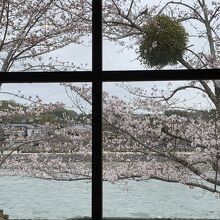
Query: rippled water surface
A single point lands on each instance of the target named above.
(23, 197)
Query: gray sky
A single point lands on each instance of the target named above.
(53, 92)
(79, 54)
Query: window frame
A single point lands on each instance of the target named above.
(97, 76)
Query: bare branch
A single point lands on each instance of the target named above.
(183, 88)
(129, 10)
(193, 184)
(209, 92)
(184, 63)
(185, 5)
(214, 14)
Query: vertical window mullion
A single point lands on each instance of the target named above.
(97, 110)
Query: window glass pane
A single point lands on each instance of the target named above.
(161, 149)
(45, 152)
(45, 35)
(158, 34)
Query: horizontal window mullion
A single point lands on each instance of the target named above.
(159, 75)
(107, 76)
(20, 77)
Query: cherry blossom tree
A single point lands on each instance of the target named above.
(124, 22)
(140, 140)
(157, 134)
(31, 30)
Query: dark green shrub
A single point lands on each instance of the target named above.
(164, 42)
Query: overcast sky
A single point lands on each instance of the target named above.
(79, 54)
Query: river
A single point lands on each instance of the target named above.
(31, 198)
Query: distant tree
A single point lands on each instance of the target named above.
(60, 116)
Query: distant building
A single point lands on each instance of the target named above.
(78, 135)
(16, 134)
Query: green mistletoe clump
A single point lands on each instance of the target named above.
(164, 42)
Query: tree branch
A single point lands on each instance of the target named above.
(209, 92)
(187, 183)
(184, 63)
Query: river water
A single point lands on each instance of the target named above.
(31, 198)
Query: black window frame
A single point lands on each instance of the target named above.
(97, 76)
